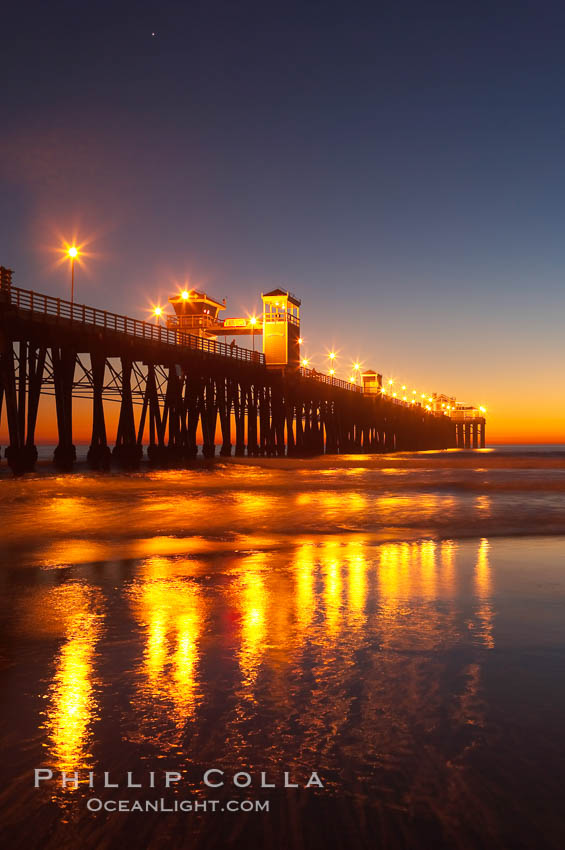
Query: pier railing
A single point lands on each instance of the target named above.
(82, 315)
(330, 380)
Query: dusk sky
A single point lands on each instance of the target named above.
(400, 166)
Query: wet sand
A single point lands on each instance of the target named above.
(394, 624)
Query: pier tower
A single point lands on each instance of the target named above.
(196, 313)
(281, 329)
(372, 382)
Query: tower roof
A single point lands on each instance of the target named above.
(291, 297)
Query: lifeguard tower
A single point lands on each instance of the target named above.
(281, 329)
(196, 313)
(372, 382)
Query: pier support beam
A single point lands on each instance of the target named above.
(64, 361)
(126, 452)
(99, 454)
(252, 444)
(223, 389)
(209, 418)
(156, 450)
(22, 401)
(467, 434)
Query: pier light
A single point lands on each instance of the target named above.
(332, 372)
(483, 409)
(413, 392)
(356, 366)
(403, 388)
(72, 253)
(185, 295)
(305, 362)
(391, 382)
(331, 355)
(383, 390)
(352, 379)
(300, 340)
(422, 395)
(253, 322)
(404, 398)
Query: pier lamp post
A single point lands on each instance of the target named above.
(157, 312)
(253, 322)
(332, 373)
(72, 254)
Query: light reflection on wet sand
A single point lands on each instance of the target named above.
(71, 706)
(169, 613)
(420, 676)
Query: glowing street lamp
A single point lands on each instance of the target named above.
(300, 340)
(305, 362)
(331, 355)
(185, 295)
(253, 322)
(356, 366)
(72, 254)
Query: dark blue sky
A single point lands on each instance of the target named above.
(398, 165)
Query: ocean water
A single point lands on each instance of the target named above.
(394, 625)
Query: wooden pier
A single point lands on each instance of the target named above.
(175, 387)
